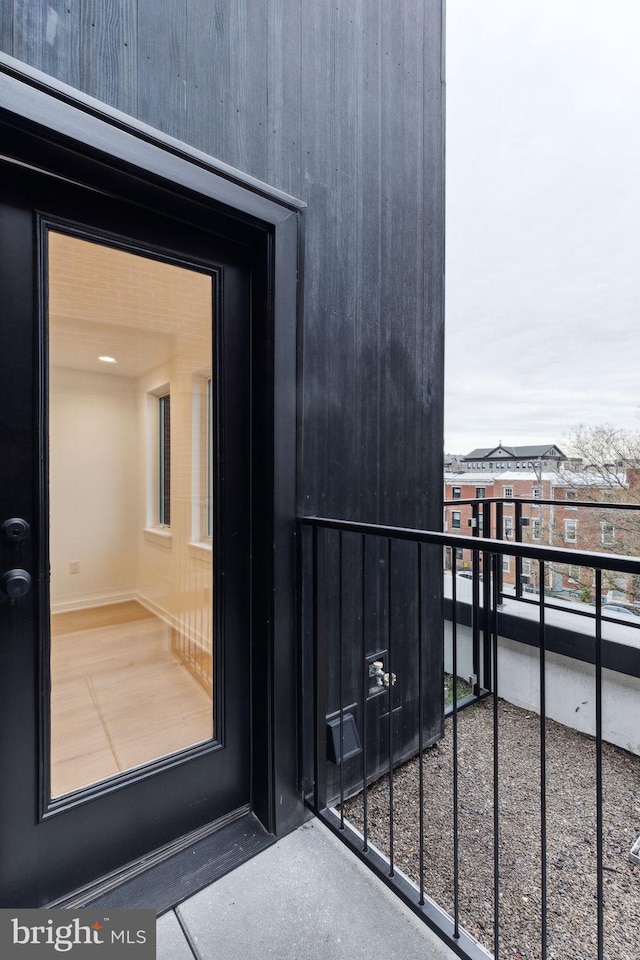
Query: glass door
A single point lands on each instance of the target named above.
(130, 489)
(124, 451)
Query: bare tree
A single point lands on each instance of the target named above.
(612, 454)
(611, 460)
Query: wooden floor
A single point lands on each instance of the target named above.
(119, 696)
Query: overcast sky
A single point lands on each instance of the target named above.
(543, 219)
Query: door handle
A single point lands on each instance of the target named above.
(15, 584)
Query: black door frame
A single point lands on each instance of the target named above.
(54, 128)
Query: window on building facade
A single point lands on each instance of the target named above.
(526, 568)
(536, 493)
(607, 534)
(507, 493)
(571, 494)
(570, 531)
(507, 526)
(506, 564)
(456, 492)
(455, 519)
(535, 529)
(481, 492)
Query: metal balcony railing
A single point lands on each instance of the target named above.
(606, 527)
(377, 605)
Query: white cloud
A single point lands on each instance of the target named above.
(543, 218)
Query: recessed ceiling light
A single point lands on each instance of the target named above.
(108, 359)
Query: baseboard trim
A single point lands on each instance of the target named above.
(68, 606)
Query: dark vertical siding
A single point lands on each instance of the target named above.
(284, 99)
(340, 104)
(208, 96)
(6, 26)
(109, 51)
(163, 60)
(47, 35)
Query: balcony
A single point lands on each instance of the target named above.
(508, 827)
(305, 897)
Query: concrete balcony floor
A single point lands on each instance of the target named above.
(304, 898)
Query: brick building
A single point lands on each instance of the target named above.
(496, 497)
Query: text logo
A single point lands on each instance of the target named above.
(79, 934)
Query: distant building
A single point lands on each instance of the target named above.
(454, 463)
(504, 457)
(484, 505)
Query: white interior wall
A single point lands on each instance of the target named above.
(94, 462)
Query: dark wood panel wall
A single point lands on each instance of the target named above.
(338, 102)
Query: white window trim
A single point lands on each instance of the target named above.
(571, 525)
(201, 465)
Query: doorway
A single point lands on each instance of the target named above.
(126, 559)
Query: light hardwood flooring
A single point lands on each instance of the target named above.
(119, 696)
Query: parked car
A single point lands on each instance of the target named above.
(629, 608)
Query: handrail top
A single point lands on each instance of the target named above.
(532, 551)
(535, 501)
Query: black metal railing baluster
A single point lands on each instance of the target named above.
(500, 536)
(485, 612)
(599, 794)
(390, 694)
(518, 536)
(365, 693)
(454, 671)
(543, 766)
(320, 679)
(420, 728)
(341, 669)
(496, 565)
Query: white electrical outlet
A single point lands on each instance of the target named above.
(74, 566)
